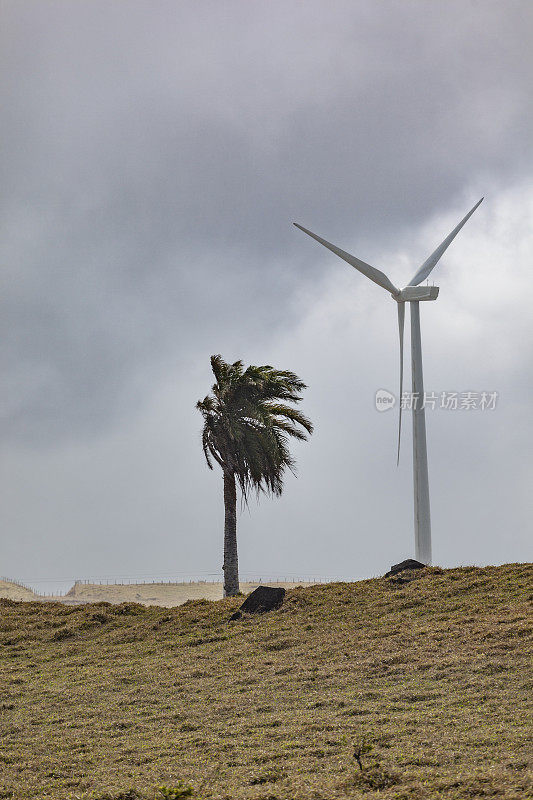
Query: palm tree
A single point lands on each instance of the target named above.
(247, 426)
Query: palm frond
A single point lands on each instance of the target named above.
(248, 424)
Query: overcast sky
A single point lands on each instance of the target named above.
(154, 155)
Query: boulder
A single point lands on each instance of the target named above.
(262, 599)
(409, 563)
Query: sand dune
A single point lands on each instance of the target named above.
(148, 594)
(152, 594)
(15, 591)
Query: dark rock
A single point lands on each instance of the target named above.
(237, 615)
(264, 598)
(409, 563)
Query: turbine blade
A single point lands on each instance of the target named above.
(371, 272)
(401, 320)
(428, 265)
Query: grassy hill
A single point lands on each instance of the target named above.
(112, 701)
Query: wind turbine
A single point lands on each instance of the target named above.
(413, 294)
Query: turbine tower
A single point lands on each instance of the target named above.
(413, 294)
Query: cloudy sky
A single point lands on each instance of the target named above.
(154, 155)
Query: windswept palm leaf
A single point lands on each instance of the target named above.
(248, 424)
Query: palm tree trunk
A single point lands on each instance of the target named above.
(231, 560)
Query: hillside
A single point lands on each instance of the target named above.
(112, 701)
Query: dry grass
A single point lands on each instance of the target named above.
(433, 674)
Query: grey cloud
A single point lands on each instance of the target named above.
(155, 160)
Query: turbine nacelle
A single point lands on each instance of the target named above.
(416, 293)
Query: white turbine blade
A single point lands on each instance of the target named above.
(371, 272)
(428, 265)
(401, 320)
